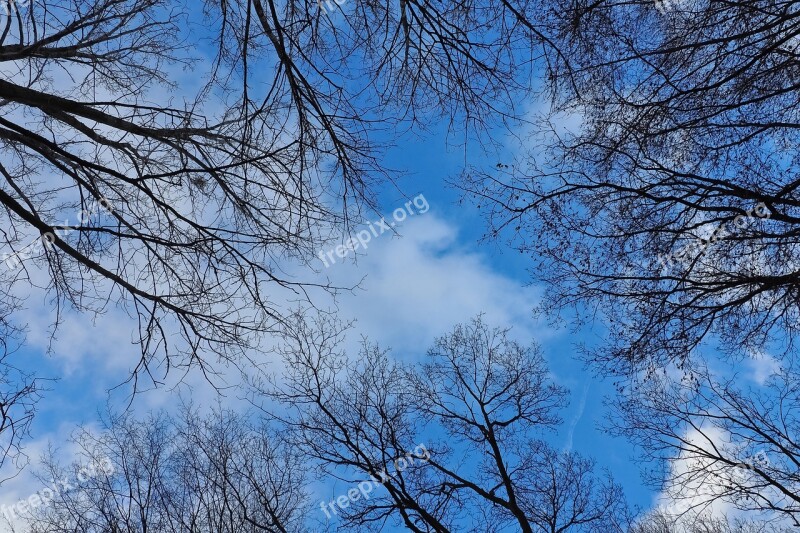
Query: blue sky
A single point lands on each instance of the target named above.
(412, 287)
(416, 286)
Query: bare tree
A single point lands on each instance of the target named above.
(194, 473)
(206, 199)
(479, 405)
(659, 521)
(671, 204)
(19, 392)
(714, 439)
(176, 160)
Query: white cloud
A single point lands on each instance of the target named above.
(26, 486)
(762, 366)
(414, 288)
(418, 286)
(687, 494)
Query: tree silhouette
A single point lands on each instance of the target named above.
(183, 163)
(480, 404)
(661, 187)
(211, 191)
(216, 472)
(714, 439)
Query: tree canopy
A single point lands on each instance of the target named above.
(669, 197)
